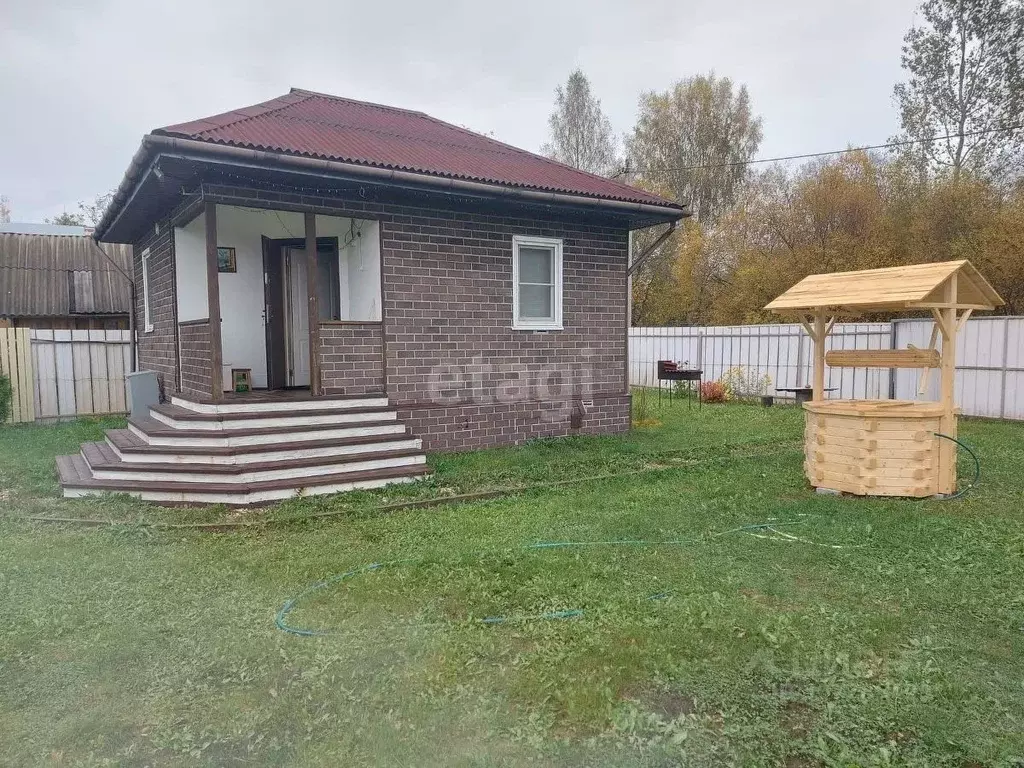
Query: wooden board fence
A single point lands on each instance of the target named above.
(16, 365)
(80, 373)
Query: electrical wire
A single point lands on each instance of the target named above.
(809, 155)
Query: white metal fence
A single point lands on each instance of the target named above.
(990, 359)
(65, 374)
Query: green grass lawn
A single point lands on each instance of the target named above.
(883, 633)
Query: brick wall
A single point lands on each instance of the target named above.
(456, 366)
(456, 370)
(351, 357)
(196, 358)
(464, 427)
(158, 349)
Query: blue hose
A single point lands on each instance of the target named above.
(280, 620)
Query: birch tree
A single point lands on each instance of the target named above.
(696, 140)
(966, 81)
(580, 133)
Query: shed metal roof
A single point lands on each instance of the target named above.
(60, 275)
(889, 288)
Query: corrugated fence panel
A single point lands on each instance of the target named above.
(1013, 388)
(990, 359)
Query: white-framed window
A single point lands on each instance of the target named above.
(147, 323)
(536, 283)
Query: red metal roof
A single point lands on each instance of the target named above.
(333, 128)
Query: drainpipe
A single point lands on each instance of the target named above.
(649, 251)
(131, 307)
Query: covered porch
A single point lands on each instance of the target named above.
(255, 313)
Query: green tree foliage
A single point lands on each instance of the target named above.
(580, 133)
(67, 219)
(966, 76)
(852, 212)
(87, 215)
(702, 121)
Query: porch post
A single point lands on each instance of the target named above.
(213, 298)
(312, 279)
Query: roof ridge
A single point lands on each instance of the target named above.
(346, 99)
(246, 118)
(545, 158)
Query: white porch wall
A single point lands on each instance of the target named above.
(190, 271)
(359, 272)
(243, 338)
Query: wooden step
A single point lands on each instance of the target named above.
(262, 402)
(182, 418)
(180, 412)
(105, 464)
(156, 432)
(77, 480)
(133, 449)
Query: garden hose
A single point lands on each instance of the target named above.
(280, 620)
(977, 467)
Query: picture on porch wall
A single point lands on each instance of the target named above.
(226, 259)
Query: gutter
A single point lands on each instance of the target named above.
(142, 162)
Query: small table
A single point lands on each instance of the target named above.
(803, 394)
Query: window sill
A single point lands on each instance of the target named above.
(521, 327)
(149, 329)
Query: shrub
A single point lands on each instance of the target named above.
(5, 398)
(713, 392)
(741, 384)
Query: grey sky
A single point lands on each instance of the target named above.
(80, 86)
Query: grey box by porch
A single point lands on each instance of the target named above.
(143, 392)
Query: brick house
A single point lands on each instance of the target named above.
(463, 293)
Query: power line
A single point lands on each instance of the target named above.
(808, 155)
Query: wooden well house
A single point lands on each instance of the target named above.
(886, 447)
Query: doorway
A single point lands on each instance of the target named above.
(285, 270)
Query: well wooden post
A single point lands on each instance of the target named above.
(312, 280)
(213, 299)
(819, 355)
(947, 382)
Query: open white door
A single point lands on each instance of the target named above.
(297, 332)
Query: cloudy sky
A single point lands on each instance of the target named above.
(79, 86)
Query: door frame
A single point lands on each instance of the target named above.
(276, 320)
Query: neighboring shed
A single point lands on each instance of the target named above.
(56, 277)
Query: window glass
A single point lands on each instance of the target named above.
(537, 288)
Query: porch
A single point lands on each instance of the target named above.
(287, 306)
(253, 310)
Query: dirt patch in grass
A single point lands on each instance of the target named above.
(801, 761)
(797, 719)
(767, 600)
(665, 703)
